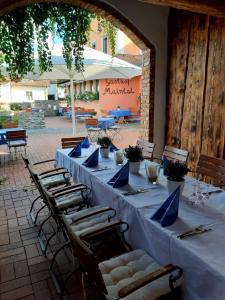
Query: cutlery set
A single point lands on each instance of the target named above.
(135, 192)
(101, 169)
(194, 231)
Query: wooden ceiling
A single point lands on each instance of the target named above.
(209, 7)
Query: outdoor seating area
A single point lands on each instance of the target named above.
(112, 150)
(70, 218)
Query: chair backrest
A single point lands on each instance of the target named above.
(16, 135)
(86, 257)
(9, 125)
(212, 167)
(175, 154)
(104, 111)
(147, 148)
(120, 120)
(91, 122)
(133, 110)
(71, 142)
(90, 110)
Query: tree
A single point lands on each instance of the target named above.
(25, 27)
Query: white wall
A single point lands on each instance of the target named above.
(151, 20)
(19, 93)
(52, 90)
(5, 93)
(120, 42)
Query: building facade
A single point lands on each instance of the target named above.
(112, 92)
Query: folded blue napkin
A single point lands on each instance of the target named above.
(76, 151)
(167, 214)
(92, 160)
(112, 147)
(164, 164)
(85, 143)
(121, 178)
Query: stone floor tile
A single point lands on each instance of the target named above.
(18, 293)
(21, 268)
(31, 251)
(4, 238)
(14, 284)
(7, 273)
(14, 237)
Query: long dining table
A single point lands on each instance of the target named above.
(201, 256)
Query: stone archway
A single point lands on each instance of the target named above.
(123, 23)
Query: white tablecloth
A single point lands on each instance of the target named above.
(201, 256)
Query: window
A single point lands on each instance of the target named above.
(84, 86)
(91, 85)
(96, 85)
(80, 88)
(104, 44)
(29, 95)
(93, 45)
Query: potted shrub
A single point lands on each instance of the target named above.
(104, 143)
(134, 155)
(175, 172)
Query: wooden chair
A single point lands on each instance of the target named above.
(131, 275)
(104, 113)
(93, 129)
(15, 139)
(71, 142)
(147, 148)
(175, 154)
(212, 167)
(9, 125)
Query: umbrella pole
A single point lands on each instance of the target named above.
(72, 104)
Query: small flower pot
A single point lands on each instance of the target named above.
(172, 185)
(104, 152)
(134, 167)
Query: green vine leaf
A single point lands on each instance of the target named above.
(20, 29)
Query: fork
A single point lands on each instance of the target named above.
(138, 191)
(197, 230)
(194, 232)
(97, 170)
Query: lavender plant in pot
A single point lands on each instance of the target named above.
(134, 155)
(104, 143)
(175, 172)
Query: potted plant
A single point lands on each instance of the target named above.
(175, 172)
(134, 155)
(104, 143)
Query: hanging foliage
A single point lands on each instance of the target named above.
(110, 31)
(21, 28)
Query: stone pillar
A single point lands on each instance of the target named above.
(147, 94)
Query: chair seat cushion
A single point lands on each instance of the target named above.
(120, 271)
(53, 180)
(17, 143)
(94, 129)
(90, 223)
(69, 200)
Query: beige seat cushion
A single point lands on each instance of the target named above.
(120, 271)
(53, 180)
(87, 224)
(69, 200)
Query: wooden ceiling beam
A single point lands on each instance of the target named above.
(208, 7)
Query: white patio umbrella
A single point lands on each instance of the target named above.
(97, 65)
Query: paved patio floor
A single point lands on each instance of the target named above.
(23, 268)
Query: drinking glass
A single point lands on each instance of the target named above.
(119, 157)
(152, 171)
